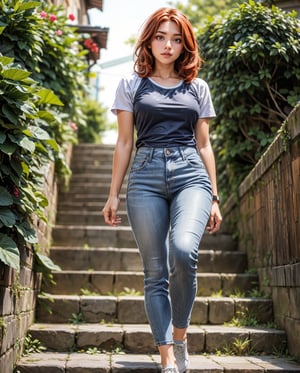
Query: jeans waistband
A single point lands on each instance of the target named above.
(166, 151)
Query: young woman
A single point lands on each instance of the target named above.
(172, 191)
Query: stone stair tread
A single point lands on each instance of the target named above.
(93, 308)
(86, 187)
(78, 258)
(141, 297)
(92, 227)
(82, 177)
(96, 235)
(79, 206)
(141, 363)
(114, 282)
(120, 272)
(91, 272)
(93, 196)
(137, 338)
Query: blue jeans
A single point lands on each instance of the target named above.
(168, 203)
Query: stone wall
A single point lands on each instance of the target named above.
(266, 217)
(18, 291)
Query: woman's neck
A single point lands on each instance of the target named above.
(165, 76)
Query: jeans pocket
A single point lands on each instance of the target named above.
(141, 159)
(193, 158)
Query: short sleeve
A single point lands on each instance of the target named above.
(205, 102)
(125, 94)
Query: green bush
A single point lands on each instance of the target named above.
(95, 122)
(41, 86)
(253, 68)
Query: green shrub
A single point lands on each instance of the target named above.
(41, 86)
(95, 122)
(253, 68)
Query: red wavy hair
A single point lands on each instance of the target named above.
(188, 63)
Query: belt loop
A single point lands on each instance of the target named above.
(151, 154)
(181, 150)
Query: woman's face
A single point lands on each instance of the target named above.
(167, 43)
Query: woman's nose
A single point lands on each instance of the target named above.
(168, 44)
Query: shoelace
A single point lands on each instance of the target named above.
(170, 370)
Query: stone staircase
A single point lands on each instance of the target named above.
(93, 319)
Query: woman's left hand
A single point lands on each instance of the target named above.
(215, 219)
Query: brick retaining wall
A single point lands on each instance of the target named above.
(18, 291)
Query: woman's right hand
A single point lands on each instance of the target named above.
(109, 211)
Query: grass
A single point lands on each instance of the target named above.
(32, 345)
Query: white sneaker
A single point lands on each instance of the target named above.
(181, 356)
(169, 369)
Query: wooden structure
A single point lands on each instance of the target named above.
(289, 5)
(267, 216)
(98, 35)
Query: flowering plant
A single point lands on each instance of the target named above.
(91, 47)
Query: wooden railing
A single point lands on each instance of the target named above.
(266, 217)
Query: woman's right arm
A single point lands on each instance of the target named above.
(121, 159)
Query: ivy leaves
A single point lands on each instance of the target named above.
(41, 87)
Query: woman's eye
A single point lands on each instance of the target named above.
(159, 37)
(178, 40)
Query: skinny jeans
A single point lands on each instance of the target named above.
(168, 204)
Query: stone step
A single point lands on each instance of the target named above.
(80, 178)
(53, 362)
(101, 187)
(106, 236)
(114, 282)
(79, 217)
(97, 160)
(83, 197)
(96, 167)
(80, 165)
(137, 338)
(67, 199)
(94, 309)
(92, 236)
(71, 258)
(88, 205)
(92, 151)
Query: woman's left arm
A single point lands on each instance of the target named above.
(208, 158)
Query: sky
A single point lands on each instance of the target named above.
(124, 18)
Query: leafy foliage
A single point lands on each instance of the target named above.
(199, 12)
(32, 346)
(253, 69)
(22, 147)
(40, 90)
(95, 123)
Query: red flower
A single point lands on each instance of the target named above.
(16, 192)
(95, 48)
(88, 43)
(59, 32)
(71, 17)
(52, 18)
(73, 126)
(91, 45)
(43, 14)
